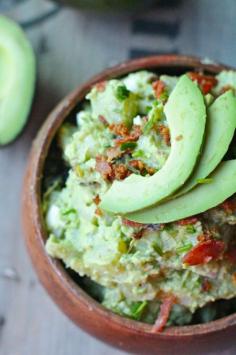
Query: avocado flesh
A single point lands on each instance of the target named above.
(220, 127)
(186, 116)
(198, 200)
(17, 79)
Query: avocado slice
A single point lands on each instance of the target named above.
(186, 115)
(220, 127)
(17, 79)
(198, 200)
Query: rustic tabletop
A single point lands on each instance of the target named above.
(71, 46)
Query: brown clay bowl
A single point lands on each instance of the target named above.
(88, 314)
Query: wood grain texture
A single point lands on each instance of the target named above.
(71, 47)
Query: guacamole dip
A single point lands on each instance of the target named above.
(163, 273)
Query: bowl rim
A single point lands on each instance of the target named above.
(31, 202)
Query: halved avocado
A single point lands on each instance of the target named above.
(198, 200)
(17, 79)
(186, 115)
(220, 127)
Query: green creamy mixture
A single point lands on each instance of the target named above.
(131, 267)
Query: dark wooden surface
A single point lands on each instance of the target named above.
(70, 47)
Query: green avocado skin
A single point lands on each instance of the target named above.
(186, 116)
(17, 79)
(198, 200)
(220, 127)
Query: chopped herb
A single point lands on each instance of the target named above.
(137, 309)
(155, 115)
(71, 210)
(204, 181)
(184, 248)
(128, 145)
(148, 108)
(138, 154)
(122, 93)
(163, 97)
(157, 249)
(190, 228)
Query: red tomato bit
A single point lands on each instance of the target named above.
(206, 82)
(204, 252)
(164, 314)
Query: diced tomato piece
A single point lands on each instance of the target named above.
(186, 221)
(164, 314)
(159, 88)
(206, 82)
(204, 252)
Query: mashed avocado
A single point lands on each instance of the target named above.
(135, 268)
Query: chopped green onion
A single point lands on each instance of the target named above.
(138, 154)
(204, 181)
(137, 309)
(71, 210)
(122, 92)
(184, 248)
(128, 145)
(155, 115)
(190, 228)
(157, 249)
(148, 108)
(135, 171)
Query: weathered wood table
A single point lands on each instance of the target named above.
(70, 47)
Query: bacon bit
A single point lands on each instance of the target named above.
(100, 86)
(186, 221)
(229, 206)
(204, 252)
(159, 88)
(98, 212)
(103, 120)
(206, 82)
(137, 164)
(165, 133)
(120, 171)
(141, 166)
(126, 222)
(97, 200)
(230, 255)
(131, 137)
(179, 138)
(104, 168)
(164, 314)
(204, 237)
(227, 88)
(206, 285)
(113, 152)
(120, 129)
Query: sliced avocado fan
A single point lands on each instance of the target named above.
(220, 127)
(17, 79)
(186, 116)
(198, 200)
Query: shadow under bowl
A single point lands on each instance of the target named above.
(83, 310)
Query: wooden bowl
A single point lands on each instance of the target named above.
(88, 314)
